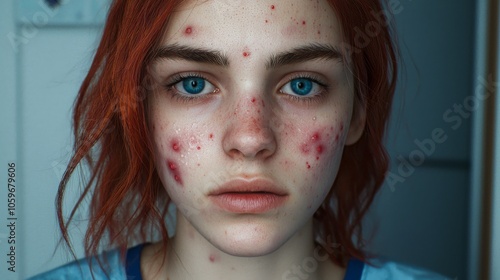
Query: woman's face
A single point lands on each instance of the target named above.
(252, 108)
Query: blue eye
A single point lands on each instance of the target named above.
(193, 85)
(301, 87)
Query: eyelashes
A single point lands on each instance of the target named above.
(195, 87)
(190, 86)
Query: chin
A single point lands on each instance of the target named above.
(249, 245)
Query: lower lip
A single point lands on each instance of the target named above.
(248, 202)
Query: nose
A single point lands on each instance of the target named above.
(249, 134)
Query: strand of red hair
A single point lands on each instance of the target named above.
(112, 136)
(365, 163)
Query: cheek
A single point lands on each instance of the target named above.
(178, 156)
(320, 145)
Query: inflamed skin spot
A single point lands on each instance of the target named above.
(176, 146)
(314, 145)
(213, 258)
(174, 171)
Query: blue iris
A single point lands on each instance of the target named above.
(301, 86)
(193, 85)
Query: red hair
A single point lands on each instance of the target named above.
(128, 202)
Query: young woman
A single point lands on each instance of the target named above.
(261, 121)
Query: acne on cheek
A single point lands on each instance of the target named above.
(178, 148)
(174, 171)
(317, 143)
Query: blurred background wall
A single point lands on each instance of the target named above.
(423, 214)
(423, 206)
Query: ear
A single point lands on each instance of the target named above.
(358, 122)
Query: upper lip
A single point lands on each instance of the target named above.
(248, 186)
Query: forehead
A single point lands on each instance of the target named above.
(260, 25)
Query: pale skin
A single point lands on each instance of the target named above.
(258, 116)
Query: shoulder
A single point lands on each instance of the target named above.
(382, 269)
(84, 268)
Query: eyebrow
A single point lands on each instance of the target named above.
(296, 55)
(305, 53)
(202, 55)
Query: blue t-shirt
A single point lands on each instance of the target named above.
(356, 270)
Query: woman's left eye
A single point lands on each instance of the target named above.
(193, 85)
(302, 87)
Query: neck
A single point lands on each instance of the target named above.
(191, 256)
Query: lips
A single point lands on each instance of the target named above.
(248, 196)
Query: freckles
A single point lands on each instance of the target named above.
(174, 171)
(255, 127)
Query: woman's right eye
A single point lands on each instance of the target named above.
(193, 85)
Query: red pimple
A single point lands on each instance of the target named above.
(212, 258)
(319, 149)
(303, 22)
(199, 148)
(308, 165)
(266, 21)
(211, 136)
(176, 146)
(315, 137)
(245, 54)
(175, 171)
(253, 99)
(188, 30)
(272, 7)
(337, 137)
